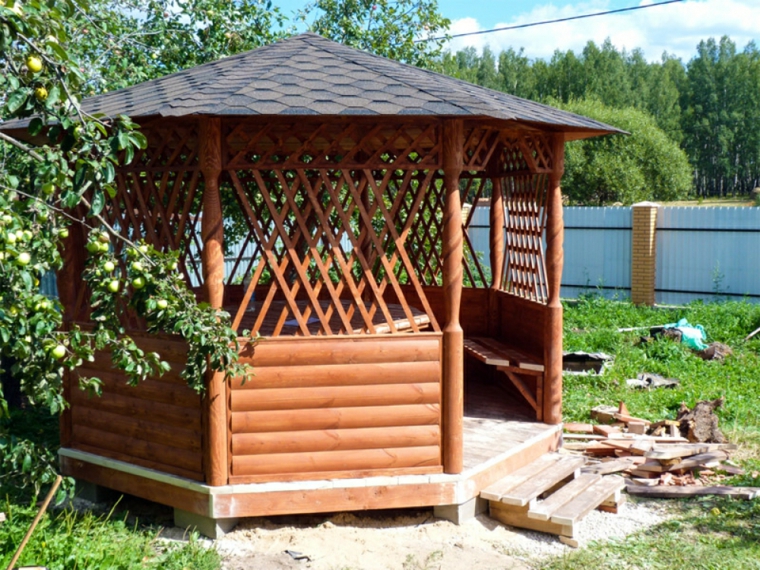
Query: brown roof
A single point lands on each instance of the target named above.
(310, 75)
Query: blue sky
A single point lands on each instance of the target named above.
(675, 28)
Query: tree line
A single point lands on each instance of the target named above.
(709, 106)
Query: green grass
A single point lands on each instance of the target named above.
(70, 540)
(707, 533)
(66, 539)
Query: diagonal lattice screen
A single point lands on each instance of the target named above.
(158, 200)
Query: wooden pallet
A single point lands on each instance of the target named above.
(551, 495)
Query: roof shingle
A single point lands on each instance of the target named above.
(293, 76)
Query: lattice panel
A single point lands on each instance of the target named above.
(170, 146)
(525, 269)
(294, 145)
(479, 145)
(159, 204)
(329, 245)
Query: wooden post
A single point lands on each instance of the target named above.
(69, 281)
(496, 243)
(215, 402)
(453, 336)
(552, 404)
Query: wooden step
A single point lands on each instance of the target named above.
(589, 499)
(543, 510)
(514, 500)
(503, 486)
(568, 465)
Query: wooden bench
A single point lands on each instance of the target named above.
(513, 362)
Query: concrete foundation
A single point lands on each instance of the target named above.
(94, 493)
(207, 526)
(461, 513)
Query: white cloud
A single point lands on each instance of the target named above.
(675, 28)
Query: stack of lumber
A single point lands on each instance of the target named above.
(652, 456)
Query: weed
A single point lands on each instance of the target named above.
(68, 539)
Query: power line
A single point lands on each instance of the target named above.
(532, 24)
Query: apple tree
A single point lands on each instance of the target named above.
(72, 164)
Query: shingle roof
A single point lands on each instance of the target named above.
(310, 75)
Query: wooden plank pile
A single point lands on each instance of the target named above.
(654, 455)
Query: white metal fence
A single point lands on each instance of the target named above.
(702, 253)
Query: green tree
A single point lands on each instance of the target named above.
(722, 117)
(73, 166)
(645, 165)
(389, 28)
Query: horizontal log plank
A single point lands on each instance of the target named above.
(335, 418)
(152, 451)
(177, 394)
(135, 407)
(102, 364)
(334, 440)
(326, 475)
(136, 428)
(340, 375)
(140, 462)
(295, 351)
(336, 460)
(334, 397)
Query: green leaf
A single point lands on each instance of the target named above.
(16, 100)
(79, 178)
(35, 126)
(98, 201)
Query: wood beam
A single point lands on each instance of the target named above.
(552, 403)
(215, 445)
(453, 336)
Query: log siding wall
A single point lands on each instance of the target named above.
(333, 408)
(156, 424)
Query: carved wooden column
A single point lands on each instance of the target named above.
(552, 404)
(453, 336)
(496, 243)
(212, 258)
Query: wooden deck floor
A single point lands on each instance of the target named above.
(494, 423)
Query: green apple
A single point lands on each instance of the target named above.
(58, 352)
(93, 247)
(113, 286)
(161, 304)
(63, 233)
(138, 283)
(34, 63)
(48, 189)
(137, 266)
(23, 258)
(10, 238)
(109, 266)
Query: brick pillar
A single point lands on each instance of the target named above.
(644, 254)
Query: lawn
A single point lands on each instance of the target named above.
(706, 533)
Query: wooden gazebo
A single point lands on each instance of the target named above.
(316, 192)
